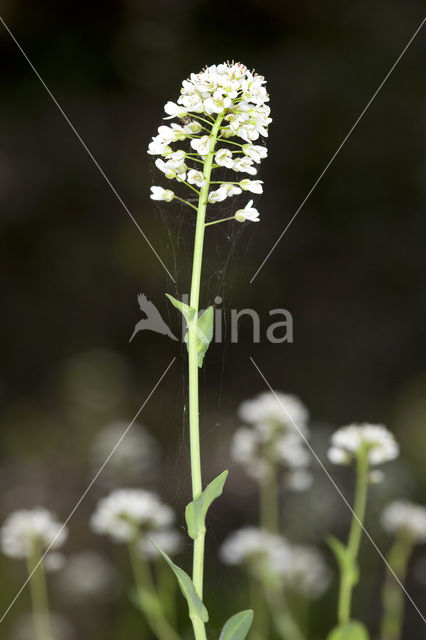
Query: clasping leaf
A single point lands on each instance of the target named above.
(195, 512)
(347, 564)
(195, 605)
(187, 311)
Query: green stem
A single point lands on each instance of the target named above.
(208, 224)
(148, 597)
(39, 596)
(269, 498)
(259, 630)
(194, 429)
(355, 534)
(185, 202)
(393, 596)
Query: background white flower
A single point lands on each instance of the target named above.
(28, 528)
(125, 513)
(347, 441)
(277, 409)
(401, 515)
(273, 558)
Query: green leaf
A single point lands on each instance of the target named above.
(347, 565)
(204, 333)
(195, 606)
(237, 627)
(349, 631)
(195, 512)
(187, 311)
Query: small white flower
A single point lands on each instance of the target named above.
(28, 528)
(158, 147)
(158, 193)
(255, 186)
(223, 158)
(171, 134)
(218, 195)
(231, 189)
(244, 164)
(169, 541)
(248, 213)
(217, 103)
(196, 177)
(125, 512)
(201, 145)
(173, 110)
(192, 102)
(176, 159)
(171, 170)
(402, 515)
(347, 441)
(193, 127)
(255, 152)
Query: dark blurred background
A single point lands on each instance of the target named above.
(351, 268)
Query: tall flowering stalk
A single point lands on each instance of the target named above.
(222, 112)
(27, 534)
(365, 445)
(407, 523)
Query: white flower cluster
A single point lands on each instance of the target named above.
(127, 513)
(27, 530)
(402, 515)
(272, 557)
(272, 439)
(347, 441)
(235, 98)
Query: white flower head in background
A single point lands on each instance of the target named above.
(253, 547)
(126, 513)
(305, 571)
(29, 530)
(273, 558)
(275, 411)
(401, 516)
(272, 443)
(348, 441)
(223, 110)
(136, 457)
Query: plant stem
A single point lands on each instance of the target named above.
(393, 596)
(221, 220)
(147, 594)
(347, 577)
(259, 630)
(269, 498)
(39, 597)
(194, 429)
